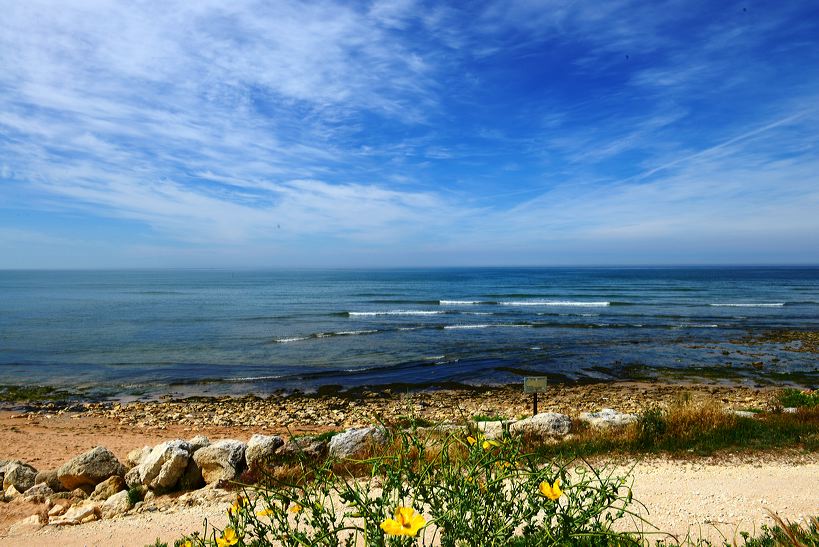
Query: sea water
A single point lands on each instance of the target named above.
(222, 331)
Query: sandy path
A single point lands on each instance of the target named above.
(705, 497)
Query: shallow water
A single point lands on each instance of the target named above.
(212, 331)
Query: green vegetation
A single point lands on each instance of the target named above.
(9, 393)
(800, 399)
(686, 428)
(425, 490)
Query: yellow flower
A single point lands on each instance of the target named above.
(296, 508)
(490, 444)
(503, 465)
(228, 538)
(264, 513)
(240, 503)
(471, 440)
(405, 523)
(551, 491)
(187, 543)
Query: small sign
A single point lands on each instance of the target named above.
(534, 384)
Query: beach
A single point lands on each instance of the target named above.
(717, 494)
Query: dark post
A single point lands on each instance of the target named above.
(534, 403)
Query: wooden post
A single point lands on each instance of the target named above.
(534, 404)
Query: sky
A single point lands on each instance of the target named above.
(408, 133)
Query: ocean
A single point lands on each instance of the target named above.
(145, 333)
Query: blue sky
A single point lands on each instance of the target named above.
(395, 133)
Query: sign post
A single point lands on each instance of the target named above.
(534, 385)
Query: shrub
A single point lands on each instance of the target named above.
(455, 491)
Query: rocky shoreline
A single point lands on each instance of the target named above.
(312, 412)
(96, 484)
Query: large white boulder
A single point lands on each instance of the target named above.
(89, 469)
(355, 442)
(606, 418)
(221, 461)
(162, 468)
(260, 448)
(545, 424)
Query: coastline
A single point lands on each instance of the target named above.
(48, 433)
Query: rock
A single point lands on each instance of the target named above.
(49, 478)
(10, 493)
(57, 510)
(607, 417)
(81, 512)
(355, 442)
(38, 493)
(108, 488)
(790, 410)
(19, 475)
(545, 424)
(306, 447)
(88, 470)
(191, 478)
(223, 460)
(133, 477)
(136, 456)
(743, 413)
(494, 430)
(26, 526)
(200, 441)
(260, 448)
(116, 505)
(163, 467)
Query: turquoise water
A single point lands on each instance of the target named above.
(206, 331)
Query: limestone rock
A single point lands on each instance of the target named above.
(306, 447)
(260, 448)
(197, 442)
(108, 488)
(10, 493)
(743, 413)
(545, 424)
(136, 456)
(26, 526)
(133, 478)
(223, 460)
(494, 430)
(38, 493)
(49, 478)
(607, 417)
(89, 469)
(191, 478)
(163, 467)
(83, 511)
(354, 442)
(19, 475)
(115, 505)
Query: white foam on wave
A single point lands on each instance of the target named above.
(460, 302)
(698, 326)
(294, 339)
(484, 326)
(749, 305)
(561, 303)
(477, 313)
(393, 312)
(455, 327)
(354, 332)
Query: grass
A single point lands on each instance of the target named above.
(686, 428)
